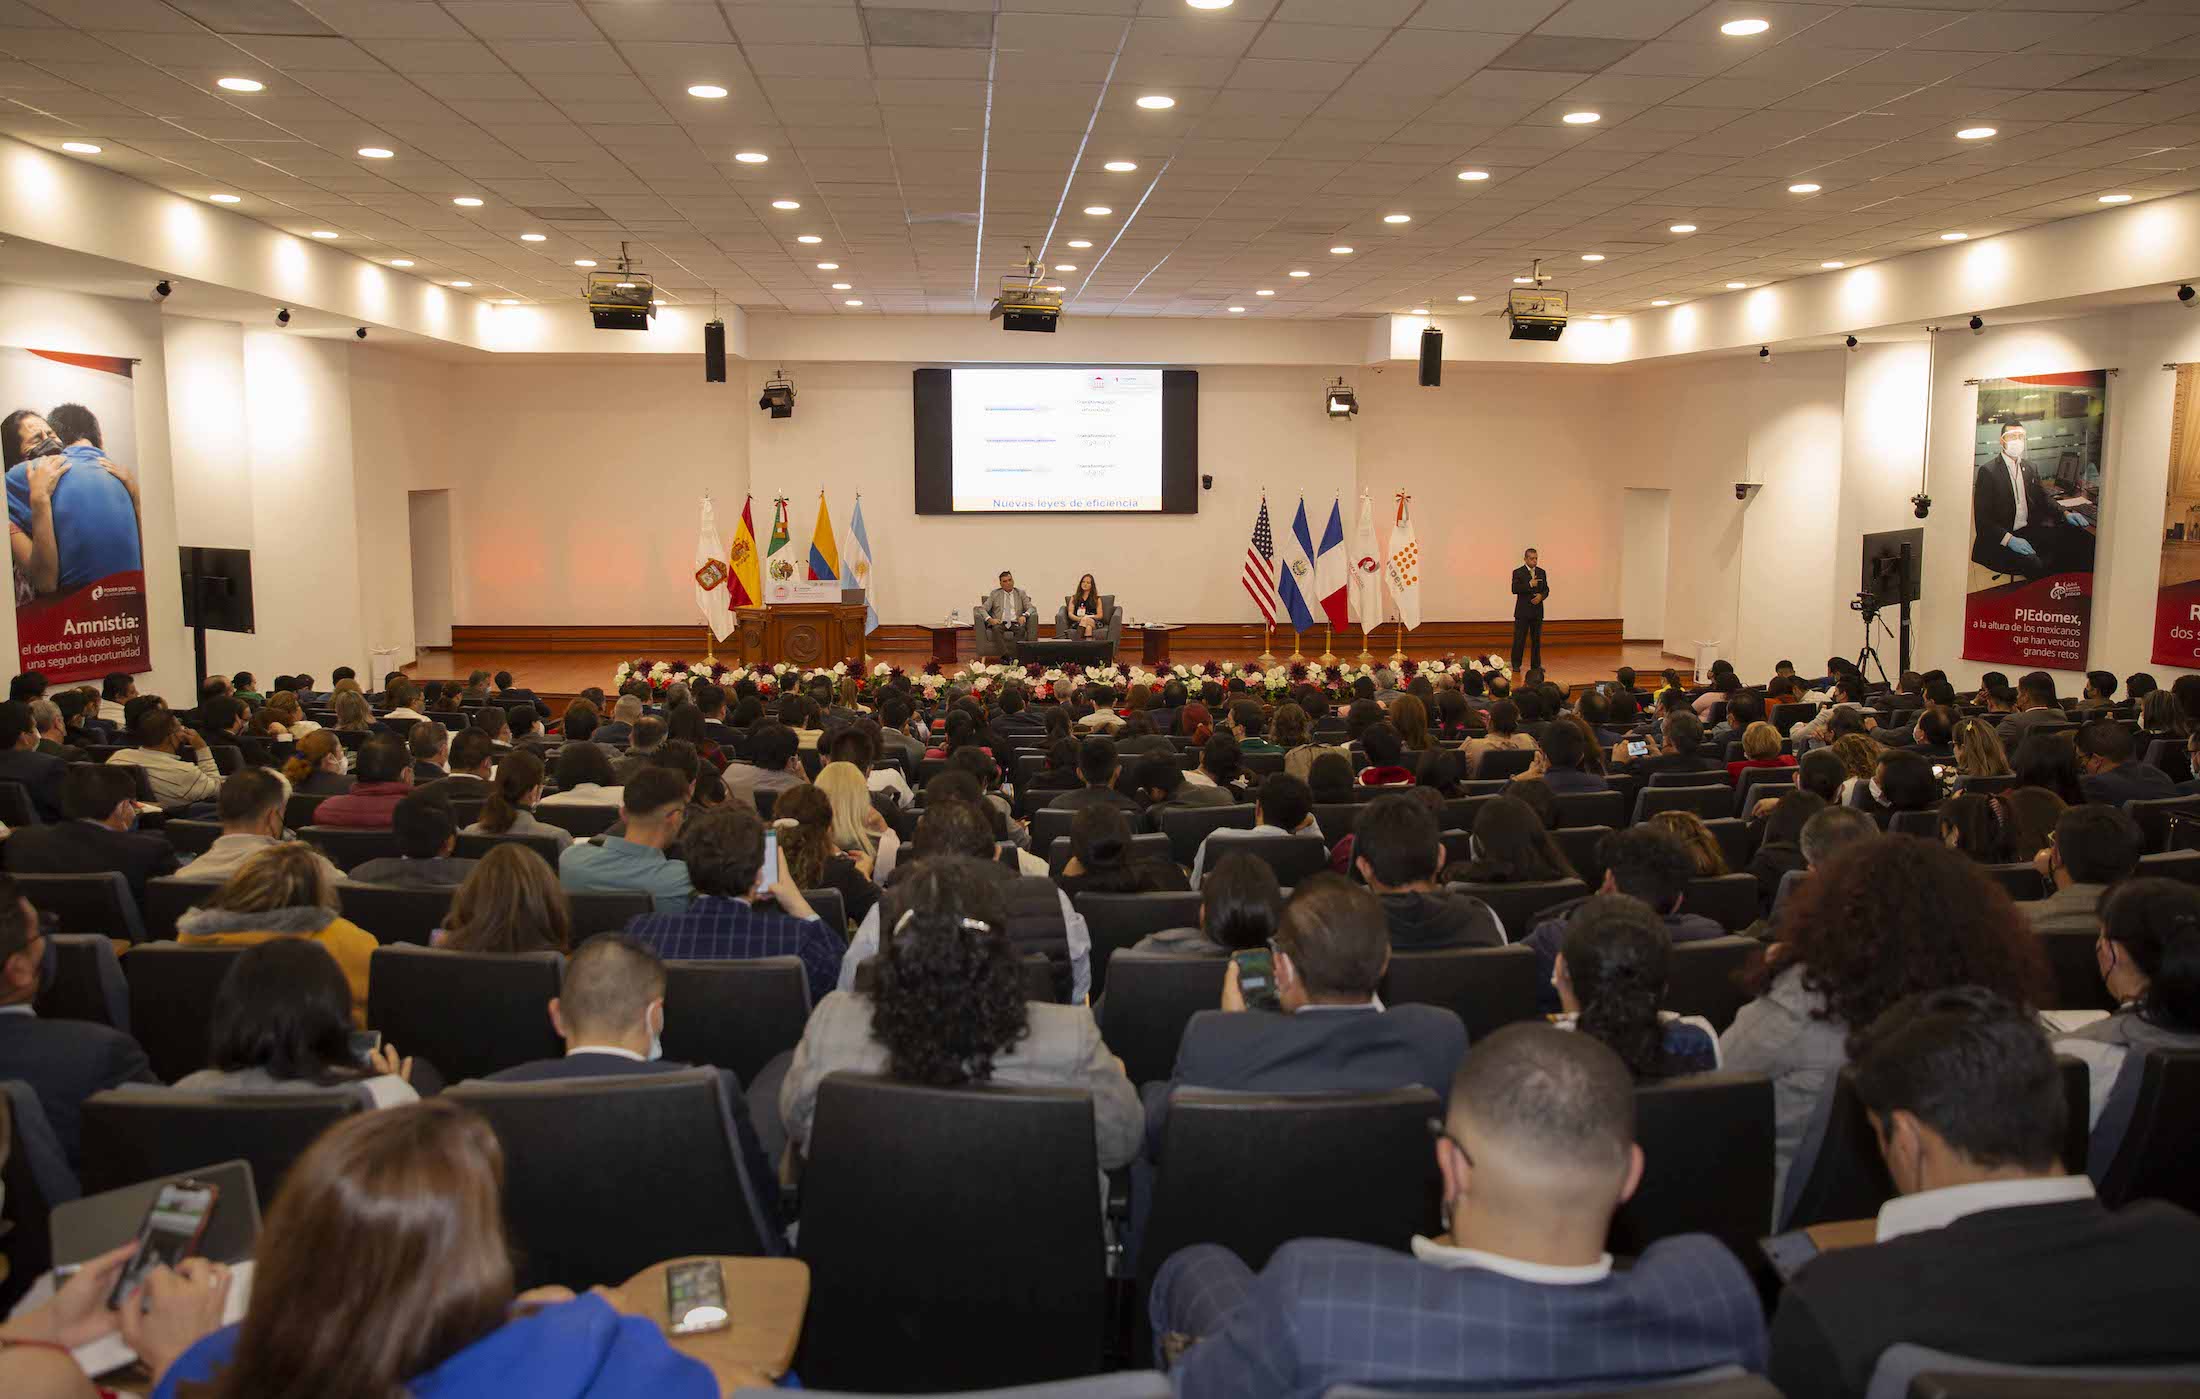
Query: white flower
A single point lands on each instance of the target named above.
(881, 670)
(980, 683)
(840, 667)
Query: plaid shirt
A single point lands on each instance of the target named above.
(730, 930)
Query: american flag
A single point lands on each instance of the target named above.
(1259, 576)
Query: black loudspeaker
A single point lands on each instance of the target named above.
(1432, 357)
(714, 352)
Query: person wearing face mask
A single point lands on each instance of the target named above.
(73, 513)
(63, 1061)
(610, 1011)
(2017, 527)
(98, 833)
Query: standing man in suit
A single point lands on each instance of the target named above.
(63, 1061)
(1531, 585)
(1989, 1250)
(1007, 605)
(2016, 526)
(1537, 1153)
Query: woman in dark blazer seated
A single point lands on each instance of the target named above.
(1084, 607)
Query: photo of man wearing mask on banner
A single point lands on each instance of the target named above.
(2018, 527)
(72, 512)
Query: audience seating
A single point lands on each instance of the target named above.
(1704, 978)
(191, 837)
(1050, 823)
(1118, 921)
(1504, 762)
(1336, 819)
(1921, 1372)
(1706, 801)
(1925, 824)
(1687, 779)
(605, 1176)
(1149, 845)
(86, 903)
(467, 1013)
(1987, 786)
(2071, 957)
(395, 914)
(136, 1133)
(298, 811)
(1151, 997)
(87, 983)
(735, 1015)
(1591, 809)
(474, 847)
(2171, 864)
(583, 820)
(1730, 900)
(1737, 843)
(34, 1177)
(2020, 881)
(1519, 905)
(172, 1002)
(1725, 1382)
(1293, 858)
(2153, 816)
(1786, 716)
(1752, 787)
(994, 1270)
(1487, 987)
(1460, 812)
(1579, 845)
(1706, 1142)
(604, 911)
(16, 809)
(1186, 827)
(2159, 1157)
(348, 847)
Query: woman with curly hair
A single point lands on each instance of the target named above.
(1881, 919)
(948, 1009)
(1610, 976)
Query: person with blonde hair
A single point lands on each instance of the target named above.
(858, 829)
(353, 713)
(315, 768)
(808, 823)
(1979, 750)
(284, 891)
(291, 713)
(511, 903)
(1761, 748)
(1703, 847)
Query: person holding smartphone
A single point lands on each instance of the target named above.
(161, 1316)
(745, 904)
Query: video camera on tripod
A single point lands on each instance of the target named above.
(1866, 602)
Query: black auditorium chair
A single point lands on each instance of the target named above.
(191, 837)
(1186, 827)
(1517, 905)
(87, 983)
(86, 903)
(735, 1015)
(474, 847)
(1591, 809)
(1151, 997)
(1706, 1141)
(469, 1014)
(135, 1133)
(1730, 900)
(2159, 1156)
(1579, 844)
(1486, 987)
(394, 914)
(1292, 857)
(601, 911)
(350, 846)
(1705, 978)
(582, 820)
(1118, 921)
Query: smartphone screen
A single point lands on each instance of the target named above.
(1789, 1252)
(171, 1230)
(1638, 748)
(767, 874)
(1257, 979)
(695, 1297)
(363, 1045)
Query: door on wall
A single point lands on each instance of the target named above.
(1646, 523)
(430, 514)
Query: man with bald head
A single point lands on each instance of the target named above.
(1537, 1151)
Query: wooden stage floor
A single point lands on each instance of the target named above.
(562, 674)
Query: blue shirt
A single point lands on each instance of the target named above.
(729, 930)
(619, 864)
(95, 527)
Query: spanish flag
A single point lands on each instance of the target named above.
(824, 550)
(744, 584)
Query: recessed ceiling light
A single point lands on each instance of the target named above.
(1592, 257)
(467, 201)
(1057, 288)
(1522, 281)
(1736, 286)
(240, 84)
(1098, 211)
(534, 237)
(1805, 188)
(401, 262)
(508, 301)
(1065, 267)
(584, 262)
(1300, 272)
(462, 284)
(1120, 167)
(1600, 316)
(1832, 266)
(786, 203)
(80, 147)
(1953, 237)
(1237, 310)
(1474, 174)
(1682, 228)
(851, 302)
(1581, 118)
(1080, 242)
(1155, 102)
(844, 286)
(1265, 291)
(751, 157)
(1397, 218)
(828, 267)
(1341, 249)
(1466, 298)
(655, 302)
(2115, 199)
(323, 233)
(1661, 302)
(1974, 133)
(705, 90)
(807, 238)
(225, 198)
(1742, 28)
(376, 152)
(1209, 4)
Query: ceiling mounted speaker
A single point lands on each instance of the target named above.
(1432, 357)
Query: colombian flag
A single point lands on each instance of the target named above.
(744, 585)
(824, 551)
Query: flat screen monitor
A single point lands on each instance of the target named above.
(217, 588)
(1091, 440)
(1891, 571)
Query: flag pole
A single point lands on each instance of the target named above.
(1329, 641)
(1297, 655)
(1399, 654)
(1268, 646)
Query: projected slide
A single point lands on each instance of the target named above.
(1057, 439)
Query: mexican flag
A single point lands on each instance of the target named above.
(781, 563)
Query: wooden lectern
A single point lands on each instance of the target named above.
(802, 633)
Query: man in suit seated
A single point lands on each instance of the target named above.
(1677, 751)
(1007, 605)
(1160, 783)
(648, 737)
(1537, 1152)
(63, 1061)
(471, 757)
(1398, 848)
(2035, 706)
(1332, 1033)
(2092, 848)
(509, 694)
(1642, 861)
(1990, 1250)
(2016, 526)
(429, 743)
(53, 730)
(20, 761)
(222, 722)
(99, 834)
(619, 730)
(2110, 774)
(610, 1011)
(1560, 758)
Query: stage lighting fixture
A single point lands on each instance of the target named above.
(1921, 504)
(282, 317)
(1340, 402)
(1027, 303)
(778, 396)
(621, 300)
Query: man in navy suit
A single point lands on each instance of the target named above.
(610, 1011)
(1530, 585)
(1537, 1151)
(2110, 772)
(63, 1061)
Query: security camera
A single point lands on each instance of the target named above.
(1764, 352)
(1922, 504)
(282, 317)
(361, 332)
(1206, 482)
(1850, 342)
(1743, 490)
(161, 288)
(1977, 324)
(2184, 294)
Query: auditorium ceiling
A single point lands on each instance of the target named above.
(927, 142)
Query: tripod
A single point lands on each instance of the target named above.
(1869, 652)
